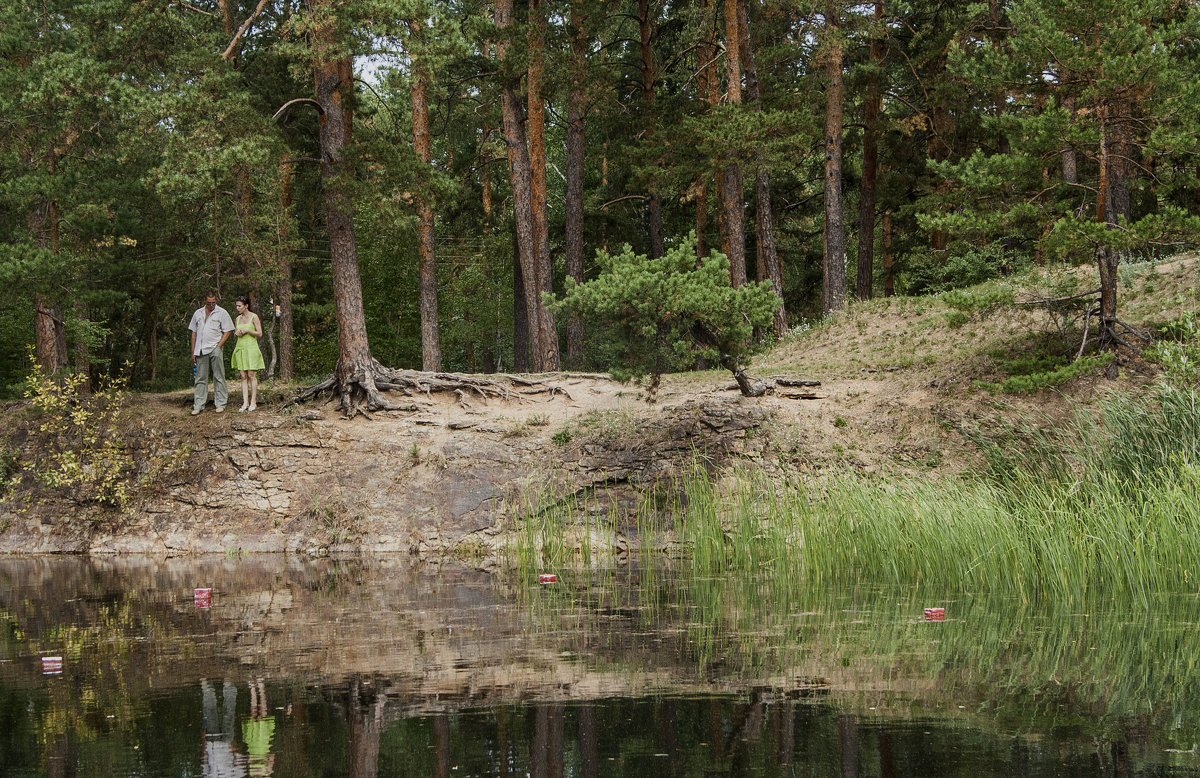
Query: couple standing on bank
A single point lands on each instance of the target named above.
(211, 327)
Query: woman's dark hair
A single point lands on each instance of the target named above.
(243, 299)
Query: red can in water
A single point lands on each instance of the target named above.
(51, 665)
(546, 578)
(935, 614)
(202, 598)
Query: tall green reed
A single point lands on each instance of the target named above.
(1108, 502)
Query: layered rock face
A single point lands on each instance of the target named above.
(430, 483)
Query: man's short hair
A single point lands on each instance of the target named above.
(212, 294)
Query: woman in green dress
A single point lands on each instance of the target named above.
(247, 358)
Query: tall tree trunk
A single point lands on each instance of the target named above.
(1106, 259)
(151, 333)
(1120, 166)
(576, 108)
(431, 353)
(940, 146)
(334, 90)
(485, 181)
(889, 279)
(833, 296)
(708, 90)
(522, 326)
(49, 346)
(226, 11)
(243, 214)
(767, 265)
(1070, 167)
(520, 178)
(872, 109)
(547, 357)
(653, 202)
(283, 278)
(733, 210)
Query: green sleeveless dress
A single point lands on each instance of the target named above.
(246, 354)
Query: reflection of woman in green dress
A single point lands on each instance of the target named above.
(247, 358)
(257, 731)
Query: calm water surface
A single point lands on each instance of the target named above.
(376, 668)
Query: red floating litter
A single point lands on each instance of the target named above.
(935, 614)
(547, 578)
(203, 598)
(51, 665)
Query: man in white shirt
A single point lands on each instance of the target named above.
(210, 328)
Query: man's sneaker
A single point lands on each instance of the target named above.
(195, 411)
(220, 410)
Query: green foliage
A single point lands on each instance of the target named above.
(982, 301)
(671, 310)
(9, 468)
(956, 319)
(962, 265)
(83, 450)
(979, 301)
(1177, 349)
(1041, 375)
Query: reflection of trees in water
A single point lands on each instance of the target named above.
(463, 640)
(364, 709)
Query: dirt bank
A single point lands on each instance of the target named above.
(890, 385)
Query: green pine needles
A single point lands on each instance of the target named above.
(669, 311)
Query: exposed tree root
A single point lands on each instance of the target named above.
(361, 391)
(1110, 334)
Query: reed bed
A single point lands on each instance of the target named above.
(1109, 502)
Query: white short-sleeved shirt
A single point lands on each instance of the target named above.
(208, 331)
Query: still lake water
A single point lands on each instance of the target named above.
(374, 667)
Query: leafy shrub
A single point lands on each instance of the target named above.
(1177, 349)
(956, 319)
(84, 454)
(962, 265)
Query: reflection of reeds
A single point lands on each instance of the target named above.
(1108, 662)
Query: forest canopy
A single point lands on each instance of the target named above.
(406, 183)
